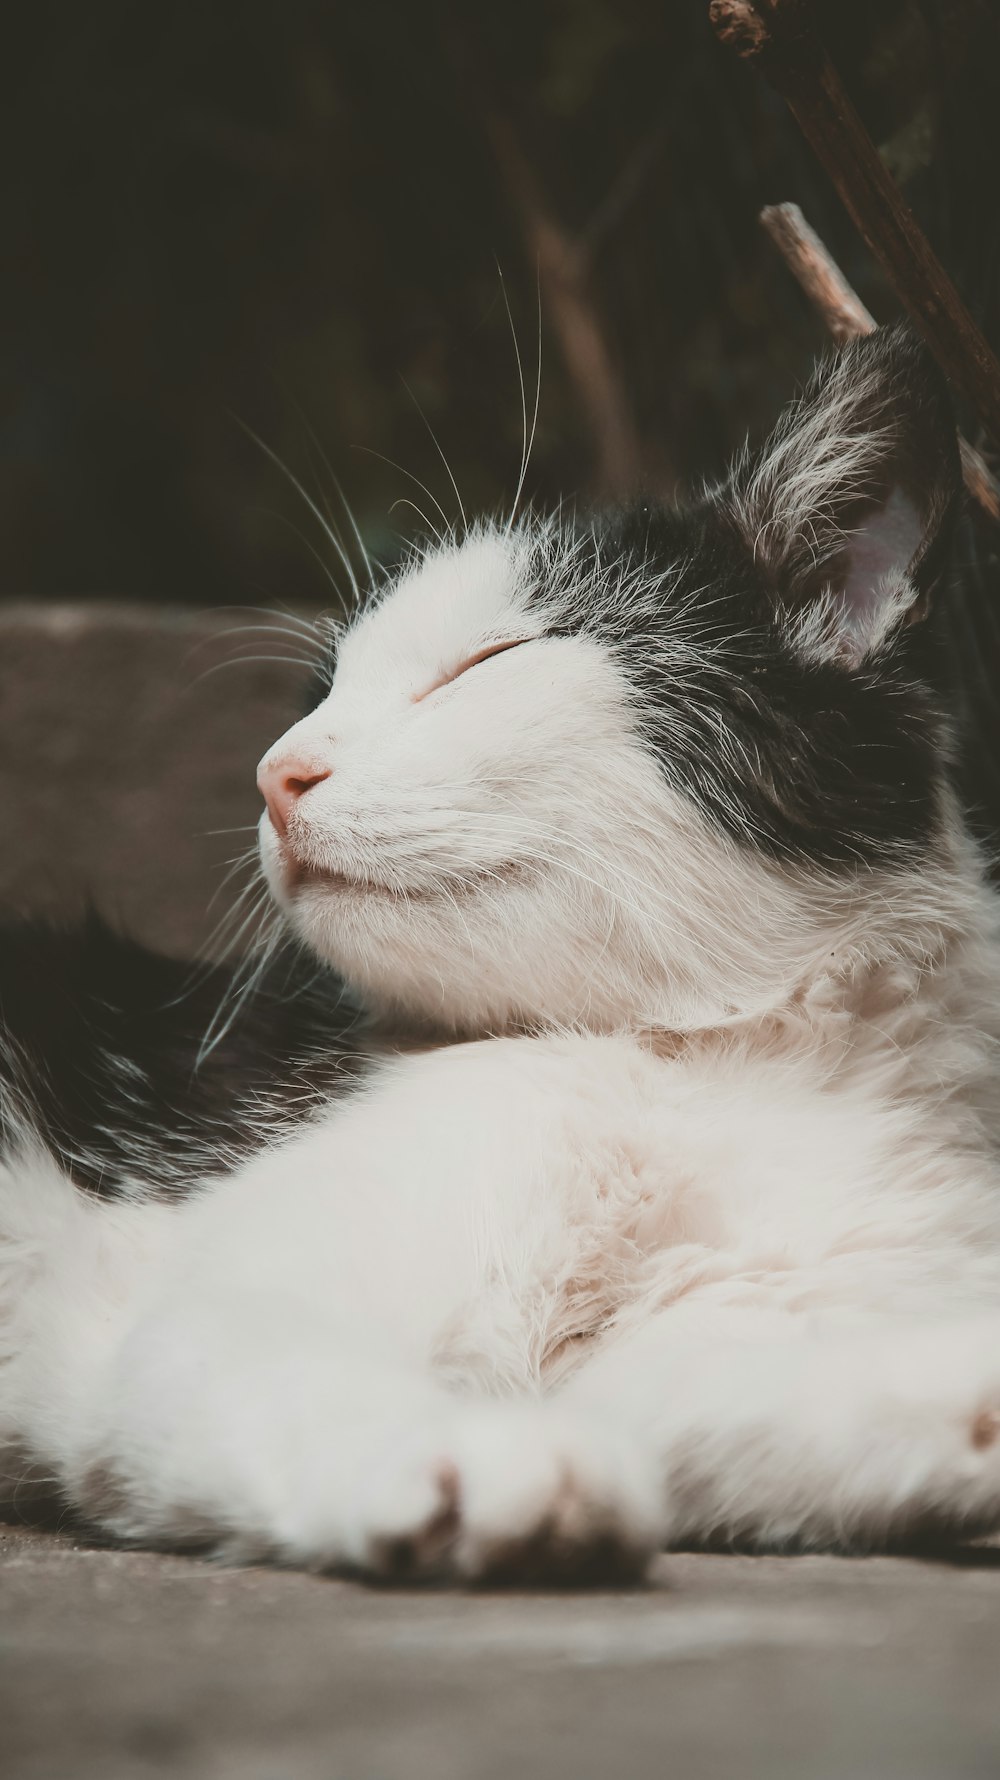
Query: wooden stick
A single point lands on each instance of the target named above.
(817, 272)
(777, 36)
(571, 307)
(571, 311)
(846, 316)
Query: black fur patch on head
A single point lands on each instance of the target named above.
(791, 695)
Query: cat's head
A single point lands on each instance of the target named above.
(657, 766)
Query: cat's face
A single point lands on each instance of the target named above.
(651, 769)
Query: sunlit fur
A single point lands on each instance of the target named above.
(697, 1234)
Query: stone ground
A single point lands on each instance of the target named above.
(121, 1665)
(118, 756)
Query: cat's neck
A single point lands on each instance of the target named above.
(895, 972)
(916, 1015)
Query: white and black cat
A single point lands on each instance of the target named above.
(684, 1222)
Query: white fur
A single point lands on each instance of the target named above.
(699, 1235)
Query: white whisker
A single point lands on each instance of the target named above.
(438, 448)
(393, 465)
(310, 503)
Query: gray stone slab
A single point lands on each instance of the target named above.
(128, 739)
(116, 1665)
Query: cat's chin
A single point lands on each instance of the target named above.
(292, 878)
(299, 876)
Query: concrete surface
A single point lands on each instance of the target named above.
(124, 1664)
(115, 758)
(128, 739)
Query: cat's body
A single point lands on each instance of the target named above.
(693, 1232)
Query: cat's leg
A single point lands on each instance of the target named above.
(260, 1427)
(785, 1429)
(334, 1356)
(261, 1431)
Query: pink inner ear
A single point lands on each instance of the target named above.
(884, 543)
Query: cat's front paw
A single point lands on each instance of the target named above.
(515, 1494)
(549, 1497)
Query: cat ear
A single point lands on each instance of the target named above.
(849, 507)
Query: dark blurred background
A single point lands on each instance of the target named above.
(292, 215)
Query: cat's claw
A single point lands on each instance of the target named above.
(412, 1522)
(518, 1496)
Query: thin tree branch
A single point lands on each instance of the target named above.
(624, 189)
(570, 307)
(562, 270)
(846, 316)
(777, 36)
(817, 272)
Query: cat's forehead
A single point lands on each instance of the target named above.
(455, 598)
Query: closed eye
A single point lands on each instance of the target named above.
(471, 662)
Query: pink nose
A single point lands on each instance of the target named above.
(282, 783)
